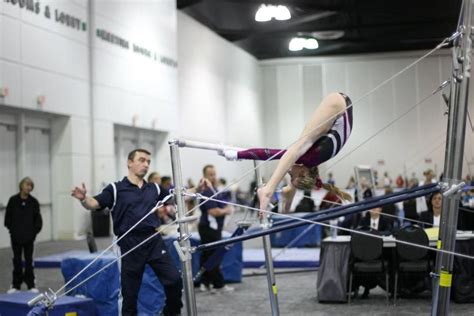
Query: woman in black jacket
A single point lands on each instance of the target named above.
(432, 216)
(24, 222)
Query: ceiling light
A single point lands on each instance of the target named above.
(282, 13)
(298, 43)
(263, 14)
(311, 43)
(267, 12)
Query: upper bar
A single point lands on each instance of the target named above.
(203, 145)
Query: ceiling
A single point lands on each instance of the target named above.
(368, 25)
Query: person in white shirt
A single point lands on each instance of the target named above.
(432, 216)
(375, 221)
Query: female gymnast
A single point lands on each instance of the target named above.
(323, 137)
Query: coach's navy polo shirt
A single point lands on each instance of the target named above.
(132, 204)
(216, 223)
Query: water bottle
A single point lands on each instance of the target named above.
(332, 228)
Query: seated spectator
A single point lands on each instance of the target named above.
(374, 221)
(432, 216)
(391, 211)
(410, 211)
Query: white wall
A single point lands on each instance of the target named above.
(294, 87)
(131, 89)
(41, 56)
(219, 98)
(93, 87)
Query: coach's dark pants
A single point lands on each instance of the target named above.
(155, 254)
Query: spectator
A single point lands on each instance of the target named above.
(154, 177)
(375, 221)
(391, 211)
(387, 181)
(351, 183)
(23, 221)
(331, 179)
(432, 216)
(210, 229)
(400, 182)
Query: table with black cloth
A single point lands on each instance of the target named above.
(333, 274)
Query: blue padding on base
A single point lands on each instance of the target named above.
(16, 304)
(103, 288)
(231, 264)
(54, 261)
(290, 258)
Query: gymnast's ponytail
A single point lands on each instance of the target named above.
(337, 191)
(313, 181)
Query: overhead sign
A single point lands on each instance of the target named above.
(74, 22)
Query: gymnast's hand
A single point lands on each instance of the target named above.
(264, 196)
(229, 154)
(79, 193)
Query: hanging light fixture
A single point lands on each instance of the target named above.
(299, 43)
(267, 12)
(281, 13)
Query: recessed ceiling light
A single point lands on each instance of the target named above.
(298, 43)
(267, 12)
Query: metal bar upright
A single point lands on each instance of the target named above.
(267, 247)
(184, 243)
(452, 174)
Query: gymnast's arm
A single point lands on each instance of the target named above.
(320, 122)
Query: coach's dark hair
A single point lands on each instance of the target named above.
(131, 155)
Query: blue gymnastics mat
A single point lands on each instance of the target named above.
(289, 258)
(16, 304)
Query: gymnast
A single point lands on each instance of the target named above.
(323, 137)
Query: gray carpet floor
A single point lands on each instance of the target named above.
(297, 291)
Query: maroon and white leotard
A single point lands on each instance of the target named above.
(323, 149)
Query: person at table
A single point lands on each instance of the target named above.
(374, 221)
(432, 216)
